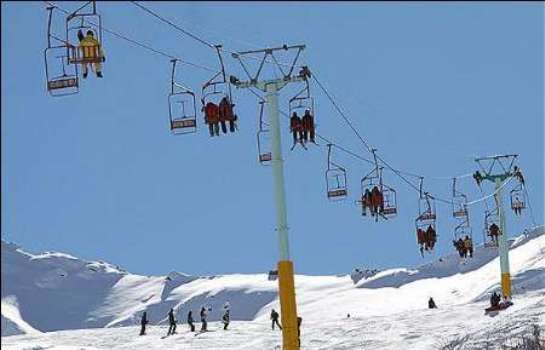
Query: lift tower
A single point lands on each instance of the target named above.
(499, 169)
(286, 285)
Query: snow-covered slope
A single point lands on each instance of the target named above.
(12, 323)
(77, 294)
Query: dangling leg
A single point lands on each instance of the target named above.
(217, 128)
(98, 69)
(84, 70)
(224, 127)
(211, 129)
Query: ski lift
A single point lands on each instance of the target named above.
(182, 109)
(263, 139)
(518, 201)
(335, 176)
(490, 218)
(62, 79)
(390, 201)
(388, 208)
(216, 87)
(459, 202)
(302, 103)
(426, 209)
(462, 230)
(84, 22)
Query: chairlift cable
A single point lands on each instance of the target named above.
(194, 36)
(202, 41)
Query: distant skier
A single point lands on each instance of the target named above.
(431, 304)
(172, 323)
(143, 322)
(225, 318)
(204, 313)
(274, 318)
(495, 300)
(191, 321)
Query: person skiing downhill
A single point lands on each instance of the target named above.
(143, 322)
(172, 323)
(274, 319)
(191, 321)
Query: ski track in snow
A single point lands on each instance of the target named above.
(388, 309)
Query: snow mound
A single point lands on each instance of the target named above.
(12, 323)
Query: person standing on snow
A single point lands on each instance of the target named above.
(204, 313)
(172, 322)
(431, 304)
(143, 322)
(225, 318)
(274, 318)
(191, 321)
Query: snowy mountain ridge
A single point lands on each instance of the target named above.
(76, 294)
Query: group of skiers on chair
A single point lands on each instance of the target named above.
(374, 201)
(464, 246)
(190, 321)
(216, 115)
(302, 128)
(426, 239)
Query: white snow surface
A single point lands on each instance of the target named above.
(95, 305)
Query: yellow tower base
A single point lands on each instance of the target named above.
(506, 285)
(288, 307)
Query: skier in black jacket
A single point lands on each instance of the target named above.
(274, 319)
(431, 304)
(143, 322)
(172, 322)
(190, 320)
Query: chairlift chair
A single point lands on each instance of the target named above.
(182, 107)
(217, 86)
(517, 197)
(490, 217)
(459, 202)
(370, 180)
(335, 175)
(462, 230)
(263, 138)
(62, 79)
(390, 201)
(84, 21)
(426, 209)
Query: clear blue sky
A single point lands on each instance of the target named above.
(98, 174)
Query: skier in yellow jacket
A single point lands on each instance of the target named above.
(91, 53)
